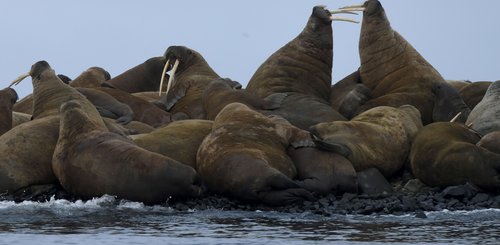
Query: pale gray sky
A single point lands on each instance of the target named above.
(459, 38)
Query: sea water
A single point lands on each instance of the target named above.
(108, 221)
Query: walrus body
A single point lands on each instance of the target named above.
(485, 117)
(302, 69)
(108, 106)
(222, 92)
(144, 111)
(445, 154)
(8, 98)
(349, 94)
(491, 142)
(26, 154)
(191, 78)
(473, 93)
(89, 161)
(380, 137)
(143, 77)
(322, 172)
(91, 78)
(179, 140)
(391, 68)
(245, 157)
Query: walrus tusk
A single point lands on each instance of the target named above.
(341, 11)
(335, 18)
(163, 76)
(19, 79)
(171, 79)
(358, 7)
(456, 117)
(469, 125)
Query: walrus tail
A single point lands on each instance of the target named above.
(284, 191)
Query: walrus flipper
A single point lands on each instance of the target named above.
(284, 191)
(274, 101)
(176, 95)
(338, 148)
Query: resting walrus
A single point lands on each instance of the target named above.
(90, 161)
(245, 157)
(8, 97)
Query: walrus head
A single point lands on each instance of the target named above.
(178, 58)
(36, 70)
(11, 95)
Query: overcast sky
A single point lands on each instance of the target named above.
(460, 38)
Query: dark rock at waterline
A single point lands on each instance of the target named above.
(460, 191)
(372, 182)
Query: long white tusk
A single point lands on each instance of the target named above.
(163, 76)
(335, 18)
(456, 117)
(361, 9)
(469, 125)
(172, 74)
(341, 11)
(353, 6)
(19, 79)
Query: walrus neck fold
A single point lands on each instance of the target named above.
(75, 121)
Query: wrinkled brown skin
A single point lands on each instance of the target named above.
(143, 77)
(144, 111)
(380, 137)
(91, 78)
(491, 142)
(222, 92)
(89, 161)
(302, 69)
(108, 106)
(179, 140)
(445, 154)
(191, 78)
(49, 92)
(19, 118)
(25, 105)
(304, 65)
(348, 94)
(8, 98)
(395, 72)
(148, 96)
(448, 103)
(322, 172)
(485, 117)
(26, 154)
(245, 157)
(473, 93)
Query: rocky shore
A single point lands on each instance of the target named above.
(406, 196)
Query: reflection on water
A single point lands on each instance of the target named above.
(103, 220)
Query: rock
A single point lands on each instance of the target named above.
(413, 185)
(372, 182)
(420, 215)
(460, 191)
(479, 198)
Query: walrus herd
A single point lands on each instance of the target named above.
(172, 128)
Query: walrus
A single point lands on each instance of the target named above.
(445, 154)
(91, 78)
(148, 96)
(473, 93)
(190, 74)
(223, 91)
(178, 140)
(302, 69)
(144, 111)
(458, 84)
(143, 77)
(244, 156)
(485, 117)
(390, 67)
(448, 104)
(491, 142)
(24, 105)
(19, 118)
(108, 106)
(380, 137)
(26, 154)
(8, 97)
(323, 172)
(348, 94)
(89, 161)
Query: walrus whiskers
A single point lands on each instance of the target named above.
(456, 117)
(163, 76)
(19, 79)
(171, 79)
